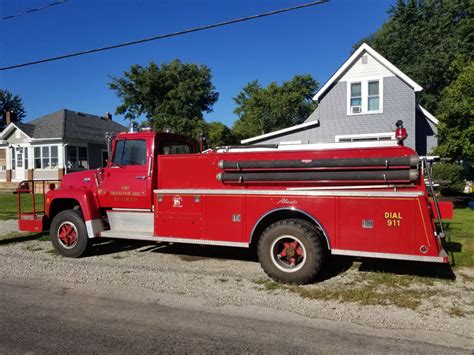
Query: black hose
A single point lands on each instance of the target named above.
(372, 175)
(387, 163)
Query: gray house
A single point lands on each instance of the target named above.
(50, 146)
(360, 104)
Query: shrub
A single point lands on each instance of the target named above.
(450, 177)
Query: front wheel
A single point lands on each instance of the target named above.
(290, 251)
(69, 234)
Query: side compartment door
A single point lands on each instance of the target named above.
(224, 218)
(179, 216)
(356, 224)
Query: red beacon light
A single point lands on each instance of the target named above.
(400, 133)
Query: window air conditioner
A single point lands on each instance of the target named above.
(356, 109)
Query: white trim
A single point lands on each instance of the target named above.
(94, 227)
(312, 146)
(390, 135)
(7, 128)
(281, 131)
(308, 192)
(434, 259)
(376, 56)
(428, 115)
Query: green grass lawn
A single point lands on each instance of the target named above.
(9, 204)
(461, 233)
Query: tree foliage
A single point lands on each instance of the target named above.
(218, 134)
(456, 128)
(171, 95)
(11, 103)
(266, 109)
(429, 40)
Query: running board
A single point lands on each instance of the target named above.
(133, 235)
(129, 235)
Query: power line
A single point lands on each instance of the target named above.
(34, 10)
(168, 35)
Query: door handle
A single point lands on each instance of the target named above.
(140, 177)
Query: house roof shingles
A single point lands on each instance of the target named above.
(67, 124)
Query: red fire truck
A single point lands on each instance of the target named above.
(295, 204)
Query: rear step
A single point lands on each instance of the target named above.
(30, 223)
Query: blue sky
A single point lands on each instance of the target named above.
(316, 40)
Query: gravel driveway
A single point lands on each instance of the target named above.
(220, 277)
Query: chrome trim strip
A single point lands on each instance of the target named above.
(433, 259)
(203, 242)
(292, 209)
(308, 192)
(150, 237)
(132, 235)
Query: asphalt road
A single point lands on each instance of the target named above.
(45, 317)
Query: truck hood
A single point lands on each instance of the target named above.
(79, 180)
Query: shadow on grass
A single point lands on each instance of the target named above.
(412, 268)
(16, 238)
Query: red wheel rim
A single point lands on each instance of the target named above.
(288, 253)
(67, 235)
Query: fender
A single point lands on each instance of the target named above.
(292, 210)
(89, 207)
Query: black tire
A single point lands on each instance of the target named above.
(302, 269)
(69, 246)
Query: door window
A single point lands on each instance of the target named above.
(130, 152)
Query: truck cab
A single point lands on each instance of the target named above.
(130, 176)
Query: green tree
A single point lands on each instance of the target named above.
(456, 128)
(266, 109)
(429, 40)
(10, 103)
(171, 95)
(218, 134)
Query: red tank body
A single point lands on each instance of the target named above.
(293, 204)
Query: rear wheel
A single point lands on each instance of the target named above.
(69, 234)
(290, 251)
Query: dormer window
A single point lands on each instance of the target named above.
(365, 97)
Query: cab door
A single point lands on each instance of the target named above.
(127, 180)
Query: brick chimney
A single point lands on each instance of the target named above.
(9, 118)
(108, 116)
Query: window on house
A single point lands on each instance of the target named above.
(76, 157)
(373, 97)
(356, 97)
(3, 159)
(365, 97)
(130, 152)
(13, 159)
(46, 157)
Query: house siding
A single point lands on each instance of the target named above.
(13, 139)
(360, 71)
(426, 134)
(399, 104)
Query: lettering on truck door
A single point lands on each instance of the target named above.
(126, 180)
